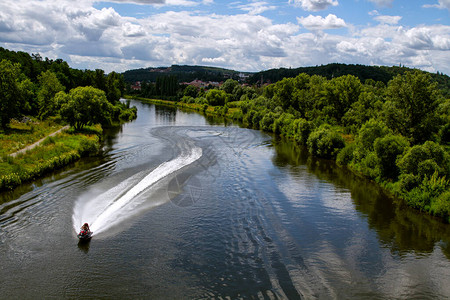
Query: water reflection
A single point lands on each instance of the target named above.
(84, 245)
(165, 114)
(400, 228)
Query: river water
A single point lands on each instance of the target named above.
(185, 208)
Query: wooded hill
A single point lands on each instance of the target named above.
(377, 73)
(189, 73)
(183, 73)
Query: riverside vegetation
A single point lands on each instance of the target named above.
(397, 134)
(34, 103)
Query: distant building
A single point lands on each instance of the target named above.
(243, 76)
(202, 84)
(136, 86)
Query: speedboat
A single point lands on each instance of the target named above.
(85, 235)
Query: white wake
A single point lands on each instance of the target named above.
(119, 203)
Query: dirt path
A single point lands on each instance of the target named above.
(29, 147)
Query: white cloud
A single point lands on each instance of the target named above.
(256, 8)
(144, 2)
(162, 2)
(388, 19)
(426, 38)
(93, 23)
(132, 30)
(382, 2)
(314, 5)
(442, 4)
(181, 3)
(318, 23)
(101, 38)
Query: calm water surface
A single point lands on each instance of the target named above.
(182, 207)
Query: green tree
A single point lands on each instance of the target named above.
(229, 85)
(114, 87)
(388, 149)
(28, 90)
(367, 107)
(424, 160)
(190, 91)
(411, 106)
(49, 87)
(283, 94)
(98, 79)
(85, 106)
(325, 142)
(216, 97)
(369, 132)
(10, 94)
(339, 94)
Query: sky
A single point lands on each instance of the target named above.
(249, 36)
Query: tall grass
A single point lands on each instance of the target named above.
(55, 152)
(20, 135)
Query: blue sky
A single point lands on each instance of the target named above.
(242, 35)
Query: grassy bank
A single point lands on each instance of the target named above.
(55, 152)
(229, 113)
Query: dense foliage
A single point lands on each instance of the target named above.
(32, 86)
(396, 134)
(35, 93)
(365, 73)
(182, 73)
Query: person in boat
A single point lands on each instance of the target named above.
(85, 229)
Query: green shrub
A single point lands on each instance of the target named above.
(388, 149)
(408, 182)
(431, 195)
(9, 181)
(266, 123)
(49, 140)
(237, 115)
(325, 142)
(128, 114)
(444, 134)
(369, 165)
(441, 206)
(283, 125)
(369, 132)
(301, 130)
(413, 161)
(88, 146)
(245, 106)
(345, 156)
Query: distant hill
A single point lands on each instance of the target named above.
(377, 73)
(189, 73)
(183, 73)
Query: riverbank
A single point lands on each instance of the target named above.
(231, 113)
(33, 149)
(429, 197)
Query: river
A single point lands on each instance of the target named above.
(184, 207)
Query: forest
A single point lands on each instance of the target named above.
(39, 96)
(329, 71)
(395, 133)
(43, 88)
(182, 73)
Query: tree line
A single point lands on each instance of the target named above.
(397, 134)
(183, 73)
(33, 86)
(329, 71)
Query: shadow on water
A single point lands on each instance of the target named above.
(400, 228)
(84, 245)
